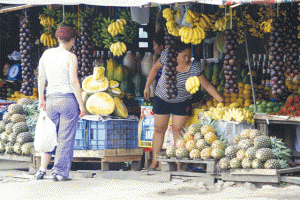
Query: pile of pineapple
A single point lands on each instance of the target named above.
(15, 134)
(253, 149)
(199, 141)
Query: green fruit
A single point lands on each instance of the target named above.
(270, 104)
(269, 110)
(276, 109)
(258, 102)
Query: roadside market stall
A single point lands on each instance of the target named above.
(217, 134)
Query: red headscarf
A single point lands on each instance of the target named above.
(65, 33)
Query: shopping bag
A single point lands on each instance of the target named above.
(45, 133)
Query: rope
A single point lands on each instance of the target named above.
(63, 13)
(78, 19)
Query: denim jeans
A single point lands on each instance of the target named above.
(63, 110)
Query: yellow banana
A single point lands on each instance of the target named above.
(118, 26)
(205, 25)
(109, 28)
(207, 19)
(123, 21)
(52, 21)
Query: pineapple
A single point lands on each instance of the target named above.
(180, 143)
(194, 128)
(4, 137)
(206, 153)
(210, 137)
(198, 136)
(188, 136)
(218, 144)
(17, 148)
(246, 163)
(24, 137)
(262, 142)
(241, 154)
(201, 144)
(264, 154)
(195, 153)
(272, 164)
(9, 149)
(230, 152)
(6, 117)
(217, 153)
(190, 145)
(2, 126)
(235, 163)
(245, 144)
(245, 134)
(255, 133)
(2, 146)
(236, 139)
(171, 151)
(9, 128)
(15, 108)
(283, 164)
(27, 148)
(250, 153)
(17, 118)
(224, 163)
(279, 149)
(257, 164)
(182, 152)
(206, 129)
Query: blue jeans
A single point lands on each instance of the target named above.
(63, 110)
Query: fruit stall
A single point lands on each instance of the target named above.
(250, 53)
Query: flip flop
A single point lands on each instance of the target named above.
(151, 169)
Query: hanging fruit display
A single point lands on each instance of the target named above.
(170, 69)
(76, 49)
(291, 44)
(46, 38)
(26, 45)
(116, 27)
(86, 46)
(230, 63)
(276, 58)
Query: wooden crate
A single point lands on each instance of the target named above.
(15, 157)
(251, 175)
(103, 156)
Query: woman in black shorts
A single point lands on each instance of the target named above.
(181, 106)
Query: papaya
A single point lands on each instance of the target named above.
(208, 72)
(118, 73)
(127, 87)
(215, 69)
(215, 79)
(139, 82)
(221, 75)
(85, 95)
(111, 65)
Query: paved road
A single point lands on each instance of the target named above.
(16, 184)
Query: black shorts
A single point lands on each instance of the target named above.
(161, 107)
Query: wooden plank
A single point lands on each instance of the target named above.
(193, 174)
(288, 170)
(277, 118)
(122, 158)
(15, 157)
(103, 153)
(250, 178)
(185, 160)
(290, 179)
(265, 172)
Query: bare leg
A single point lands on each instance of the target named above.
(160, 127)
(178, 123)
(45, 159)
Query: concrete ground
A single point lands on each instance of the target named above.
(17, 184)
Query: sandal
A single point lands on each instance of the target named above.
(151, 169)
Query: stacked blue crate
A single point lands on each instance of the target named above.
(132, 135)
(112, 134)
(81, 135)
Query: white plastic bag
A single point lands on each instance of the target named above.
(45, 133)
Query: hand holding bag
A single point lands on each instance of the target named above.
(45, 133)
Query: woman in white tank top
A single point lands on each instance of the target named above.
(63, 101)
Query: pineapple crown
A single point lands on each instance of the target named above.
(279, 149)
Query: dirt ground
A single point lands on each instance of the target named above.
(16, 183)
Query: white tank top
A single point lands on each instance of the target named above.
(57, 72)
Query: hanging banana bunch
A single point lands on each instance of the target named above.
(171, 16)
(46, 21)
(118, 48)
(116, 27)
(219, 24)
(48, 40)
(266, 26)
(191, 35)
(192, 84)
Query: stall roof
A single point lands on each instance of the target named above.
(119, 3)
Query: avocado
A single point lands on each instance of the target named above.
(270, 104)
(276, 109)
(258, 102)
(269, 110)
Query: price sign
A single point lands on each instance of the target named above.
(146, 127)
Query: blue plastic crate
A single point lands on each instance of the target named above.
(81, 135)
(111, 134)
(131, 144)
